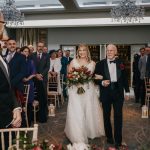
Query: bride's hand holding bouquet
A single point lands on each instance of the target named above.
(78, 77)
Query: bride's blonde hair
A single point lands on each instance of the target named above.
(87, 49)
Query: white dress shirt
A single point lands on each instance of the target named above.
(112, 71)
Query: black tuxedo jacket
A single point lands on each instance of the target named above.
(122, 82)
(7, 99)
(42, 65)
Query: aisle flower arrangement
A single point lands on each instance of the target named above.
(78, 77)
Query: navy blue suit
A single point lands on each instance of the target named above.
(18, 69)
(64, 63)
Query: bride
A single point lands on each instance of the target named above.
(84, 113)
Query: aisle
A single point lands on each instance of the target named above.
(136, 131)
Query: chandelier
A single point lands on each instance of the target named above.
(12, 15)
(127, 11)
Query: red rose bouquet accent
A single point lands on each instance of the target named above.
(78, 77)
(122, 66)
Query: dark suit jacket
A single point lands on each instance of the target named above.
(148, 66)
(7, 98)
(42, 66)
(18, 70)
(69, 59)
(102, 69)
(64, 63)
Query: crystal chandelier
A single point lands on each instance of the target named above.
(127, 11)
(12, 15)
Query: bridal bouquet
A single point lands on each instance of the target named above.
(78, 77)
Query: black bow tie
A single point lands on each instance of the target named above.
(112, 61)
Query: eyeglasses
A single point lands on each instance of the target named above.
(3, 22)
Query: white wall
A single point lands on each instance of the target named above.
(98, 35)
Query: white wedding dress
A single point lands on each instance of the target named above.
(84, 113)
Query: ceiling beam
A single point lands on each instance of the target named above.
(69, 4)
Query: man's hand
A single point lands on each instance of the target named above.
(127, 97)
(17, 118)
(39, 77)
(105, 83)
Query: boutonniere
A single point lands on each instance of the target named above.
(122, 66)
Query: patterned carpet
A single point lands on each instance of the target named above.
(136, 131)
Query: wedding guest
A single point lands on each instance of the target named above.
(28, 79)
(55, 67)
(17, 68)
(45, 50)
(136, 77)
(67, 54)
(63, 71)
(148, 63)
(142, 68)
(42, 64)
(31, 48)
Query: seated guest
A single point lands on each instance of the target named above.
(55, 67)
(30, 74)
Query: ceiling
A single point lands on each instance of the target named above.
(29, 6)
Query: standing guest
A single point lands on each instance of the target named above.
(4, 49)
(17, 67)
(42, 64)
(142, 69)
(67, 53)
(18, 49)
(30, 74)
(9, 108)
(148, 63)
(31, 48)
(112, 85)
(45, 50)
(63, 71)
(136, 77)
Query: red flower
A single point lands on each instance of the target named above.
(122, 66)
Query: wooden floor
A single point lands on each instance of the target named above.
(136, 131)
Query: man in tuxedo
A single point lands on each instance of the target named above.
(42, 64)
(9, 108)
(111, 77)
(67, 53)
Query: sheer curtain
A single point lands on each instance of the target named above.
(25, 36)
